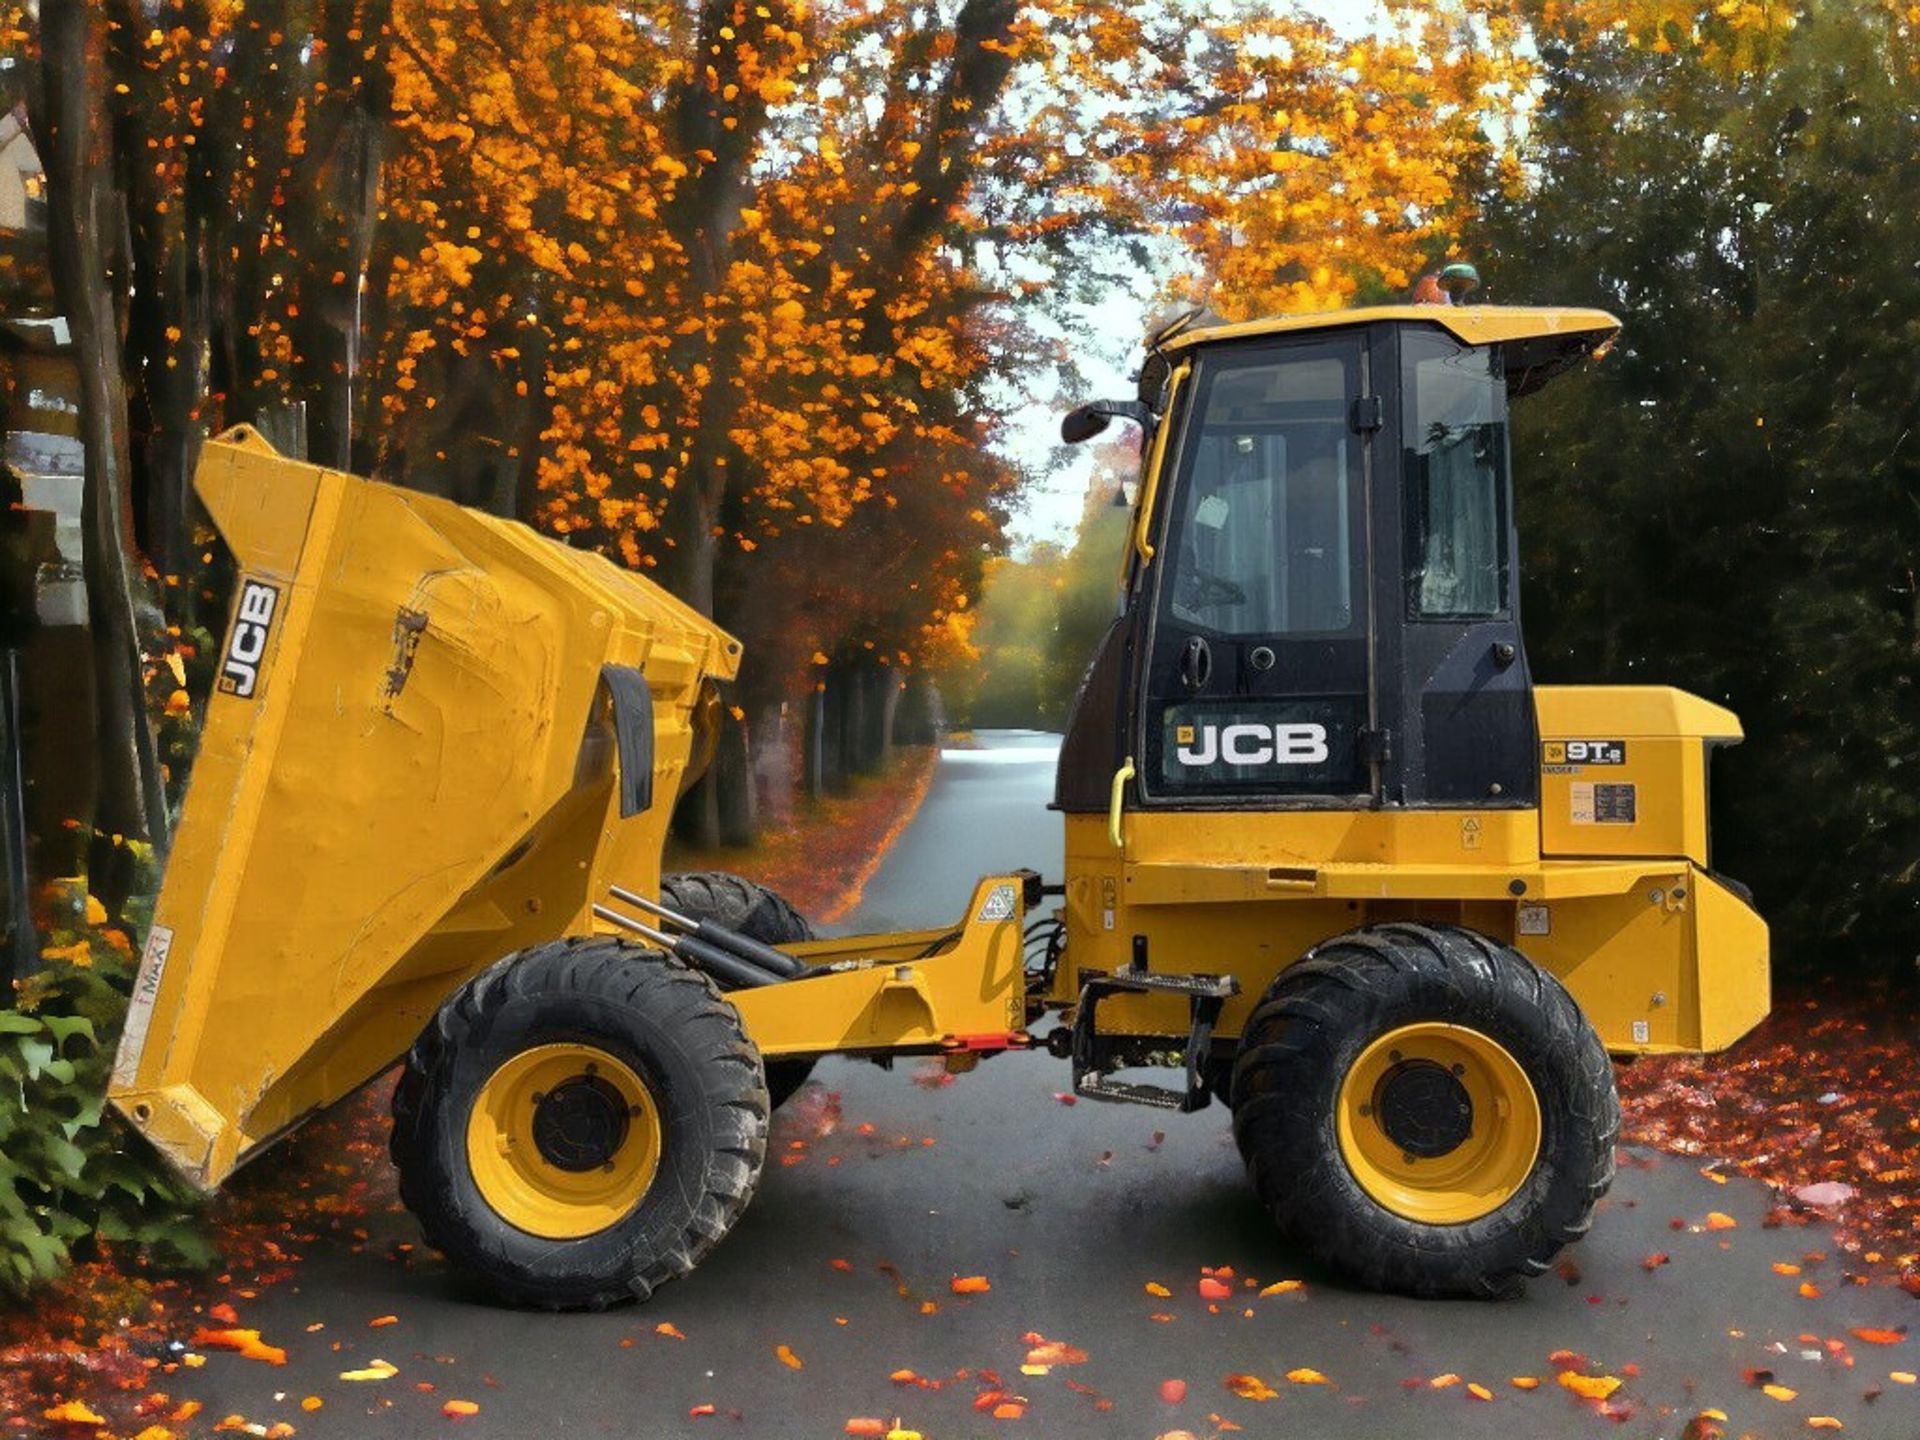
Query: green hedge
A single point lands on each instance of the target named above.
(70, 1172)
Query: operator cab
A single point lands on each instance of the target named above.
(1320, 606)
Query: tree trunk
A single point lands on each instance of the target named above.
(21, 953)
(732, 780)
(19, 942)
(922, 715)
(166, 321)
(773, 775)
(686, 567)
(167, 396)
(83, 222)
(340, 204)
(896, 688)
(716, 112)
(843, 686)
(696, 819)
(821, 753)
(719, 810)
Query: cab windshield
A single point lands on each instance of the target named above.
(1265, 532)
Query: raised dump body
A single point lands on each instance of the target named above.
(436, 738)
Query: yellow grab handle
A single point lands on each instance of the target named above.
(1118, 794)
(1156, 457)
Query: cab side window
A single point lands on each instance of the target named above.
(1455, 454)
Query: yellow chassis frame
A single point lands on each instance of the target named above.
(960, 989)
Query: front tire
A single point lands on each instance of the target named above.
(581, 1123)
(1425, 1110)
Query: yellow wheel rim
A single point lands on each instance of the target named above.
(1438, 1123)
(563, 1140)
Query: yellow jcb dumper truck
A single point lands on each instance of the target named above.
(1392, 902)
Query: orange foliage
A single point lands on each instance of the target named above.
(1323, 170)
(692, 263)
(719, 288)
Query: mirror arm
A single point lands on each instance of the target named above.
(1083, 422)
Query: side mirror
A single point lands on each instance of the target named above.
(1083, 422)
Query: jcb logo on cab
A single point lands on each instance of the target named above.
(1252, 744)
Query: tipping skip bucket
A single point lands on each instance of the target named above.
(435, 738)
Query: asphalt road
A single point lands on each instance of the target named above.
(884, 1186)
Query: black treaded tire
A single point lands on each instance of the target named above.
(757, 913)
(674, 1029)
(1314, 1021)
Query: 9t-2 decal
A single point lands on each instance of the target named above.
(1583, 752)
(247, 640)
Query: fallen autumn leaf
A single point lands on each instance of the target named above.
(1590, 1387)
(1250, 1387)
(73, 1412)
(246, 1343)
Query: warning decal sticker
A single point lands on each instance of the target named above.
(1597, 803)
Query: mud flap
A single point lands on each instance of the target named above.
(633, 732)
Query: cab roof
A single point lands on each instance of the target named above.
(1539, 340)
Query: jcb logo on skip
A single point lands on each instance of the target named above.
(1252, 744)
(247, 642)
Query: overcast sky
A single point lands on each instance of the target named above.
(1053, 502)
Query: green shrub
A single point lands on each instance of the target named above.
(70, 1172)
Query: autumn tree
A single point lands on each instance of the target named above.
(699, 276)
(84, 250)
(715, 288)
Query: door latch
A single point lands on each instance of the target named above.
(1375, 746)
(1196, 663)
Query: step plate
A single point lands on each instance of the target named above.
(1211, 987)
(1205, 995)
(1096, 1086)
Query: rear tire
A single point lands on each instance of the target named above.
(581, 1123)
(1425, 1110)
(757, 913)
